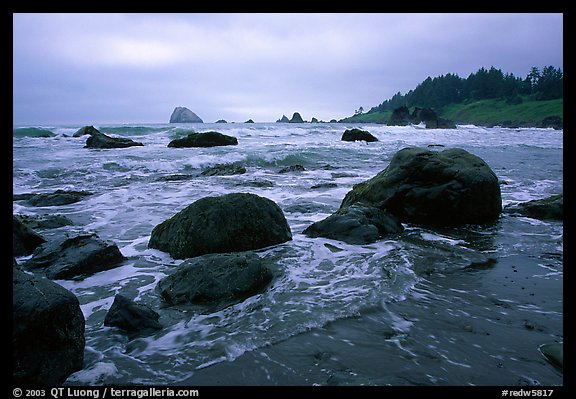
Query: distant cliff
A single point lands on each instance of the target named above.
(184, 115)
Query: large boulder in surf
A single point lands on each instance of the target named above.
(89, 130)
(357, 224)
(215, 279)
(205, 139)
(358, 135)
(447, 188)
(75, 257)
(24, 239)
(56, 198)
(133, 318)
(184, 115)
(47, 331)
(550, 208)
(102, 141)
(229, 223)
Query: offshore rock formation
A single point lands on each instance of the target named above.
(184, 115)
(205, 139)
(358, 135)
(296, 118)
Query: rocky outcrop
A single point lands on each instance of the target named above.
(357, 224)
(47, 331)
(292, 168)
(45, 221)
(75, 257)
(90, 130)
(313, 120)
(206, 139)
(59, 197)
(184, 115)
(228, 169)
(296, 118)
(228, 223)
(249, 121)
(284, 119)
(102, 141)
(358, 135)
(135, 319)
(447, 188)
(221, 121)
(553, 121)
(215, 279)
(551, 208)
(24, 239)
(400, 117)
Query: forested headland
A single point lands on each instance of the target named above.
(487, 97)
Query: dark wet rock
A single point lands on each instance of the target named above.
(296, 118)
(102, 141)
(284, 119)
(356, 224)
(75, 257)
(292, 168)
(324, 185)
(228, 169)
(447, 188)
(45, 221)
(177, 177)
(313, 120)
(205, 139)
(136, 319)
(400, 117)
(184, 115)
(308, 207)
(24, 239)
(249, 121)
(47, 331)
(257, 183)
(228, 223)
(333, 121)
(57, 198)
(221, 121)
(358, 135)
(22, 197)
(215, 279)
(554, 353)
(90, 130)
(425, 115)
(551, 208)
(554, 122)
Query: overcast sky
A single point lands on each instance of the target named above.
(136, 68)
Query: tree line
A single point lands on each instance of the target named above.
(545, 84)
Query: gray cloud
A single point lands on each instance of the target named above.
(99, 68)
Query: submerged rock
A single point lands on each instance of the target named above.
(215, 279)
(47, 331)
(75, 257)
(228, 223)
(24, 239)
(551, 208)
(358, 135)
(57, 198)
(184, 115)
(45, 221)
(135, 319)
(206, 139)
(228, 169)
(447, 188)
(356, 224)
(102, 141)
(292, 168)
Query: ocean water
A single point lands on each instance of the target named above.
(421, 309)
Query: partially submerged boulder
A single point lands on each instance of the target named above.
(57, 198)
(227, 169)
(135, 319)
(205, 139)
(24, 239)
(47, 331)
(447, 188)
(75, 257)
(215, 279)
(228, 223)
(358, 135)
(550, 208)
(100, 140)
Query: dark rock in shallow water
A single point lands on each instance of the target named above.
(324, 185)
(75, 257)
(24, 239)
(400, 117)
(358, 135)
(59, 197)
(102, 141)
(292, 168)
(228, 169)
(215, 279)
(447, 188)
(135, 319)
(45, 221)
(554, 122)
(355, 225)
(206, 139)
(551, 208)
(90, 130)
(228, 223)
(47, 331)
(184, 115)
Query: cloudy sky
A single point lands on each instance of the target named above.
(136, 68)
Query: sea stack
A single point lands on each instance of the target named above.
(184, 115)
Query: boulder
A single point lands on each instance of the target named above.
(102, 141)
(206, 139)
(45, 221)
(296, 118)
(292, 168)
(228, 223)
(313, 120)
(90, 130)
(47, 331)
(447, 188)
(284, 119)
(135, 319)
(24, 239)
(357, 224)
(184, 115)
(221, 121)
(358, 135)
(400, 117)
(551, 208)
(214, 279)
(228, 169)
(426, 115)
(76, 257)
(553, 121)
(57, 198)
(249, 121)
